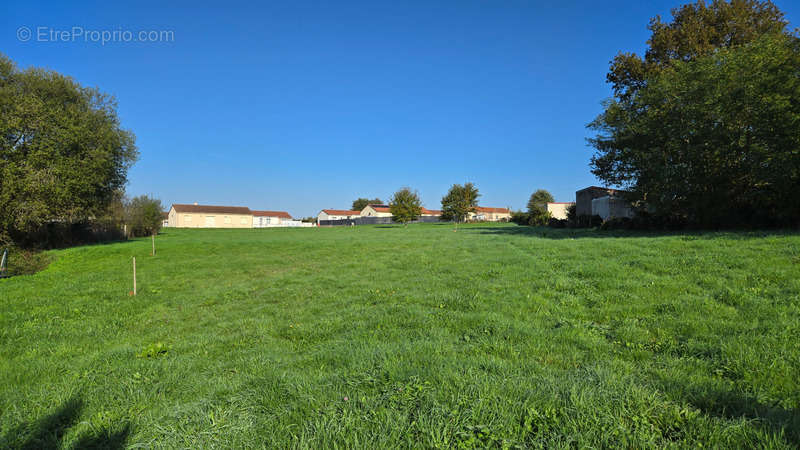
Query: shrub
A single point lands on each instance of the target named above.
(587, 221)
(143, 215)
(520, 217)
(572, 214)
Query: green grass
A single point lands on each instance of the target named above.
(494, 336)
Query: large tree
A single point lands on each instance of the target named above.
(697, 29)
(361, 203)
(707, 131)
(405, 206)
(63, 153)
(459, 201)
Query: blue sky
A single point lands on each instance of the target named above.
(300, 106)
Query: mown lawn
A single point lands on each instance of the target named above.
(373, 337)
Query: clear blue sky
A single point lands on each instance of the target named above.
(300, 106)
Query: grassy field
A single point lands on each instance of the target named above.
(494, 336)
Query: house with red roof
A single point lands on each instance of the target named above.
(489, 214)
(376, 211)
(337, 214)
(266, 219)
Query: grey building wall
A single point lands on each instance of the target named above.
(610, 206)
(584, 197)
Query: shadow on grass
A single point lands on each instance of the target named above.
(593, 233)
(727, 404)
(48, 432)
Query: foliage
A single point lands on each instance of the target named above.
(143, 215)
(537, 208)
(63, 154)
(539, 200)
(572, 214)
(459, 201)
(405, 206)
(516, 336)
(588, 221)
(538, 217)
(361, 203)
(697, 30)
(154, 350)
(709, 133)
(520, 217)
(22, 261)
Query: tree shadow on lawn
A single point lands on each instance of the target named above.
(48, 432)
(593, 233)
(727, 404)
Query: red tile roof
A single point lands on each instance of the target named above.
(341, 212)
(281, 214)
(202, 209)
(485, 209)
(433, 212)
(381, 208)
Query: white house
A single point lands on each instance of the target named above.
(266, 219)
(337, 214)
(490, 214)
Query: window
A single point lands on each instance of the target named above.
(244, 220)
(227, 219)
(187, 218)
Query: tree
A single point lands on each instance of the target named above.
(697, 29)
(362, 203)
(143, 215)
(405, 206)
(707, 133)
(459, 202)
(537, 207)
(539, 200)
(63, 153)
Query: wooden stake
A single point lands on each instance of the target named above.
(154, 245)
(134, 275)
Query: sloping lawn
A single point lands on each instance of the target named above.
(383, 336)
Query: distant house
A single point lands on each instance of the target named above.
(431, 212)
(206, 216)
(490, 214)
(558, 210)
(266, 219)
(337, 214)
(165, 219)
(603, 202)
(376, 211)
